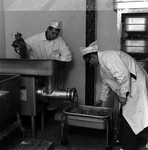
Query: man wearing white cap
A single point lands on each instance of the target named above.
(122, 74)
(49, 45)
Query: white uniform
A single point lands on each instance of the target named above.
(40, 48)
(117, 69)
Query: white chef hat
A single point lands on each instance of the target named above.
(93, 47)
(55, 24)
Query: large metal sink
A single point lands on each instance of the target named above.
(33, 74)
(37, 67)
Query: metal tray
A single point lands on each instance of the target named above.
(136, 20)
(135, 49)
(136, 42)
(117, 1)
(136, 28)
(136, 46)
(86, 120)
(126, 4)
(136, 24)
(38, 67)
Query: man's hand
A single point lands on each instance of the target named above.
(55, 54)
(122, 100)
(98, 103)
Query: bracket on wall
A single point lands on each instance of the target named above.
(90, 37)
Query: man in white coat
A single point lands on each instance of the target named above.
(45, 45)
(122, 74)
(49, 45)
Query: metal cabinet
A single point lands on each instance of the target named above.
(132, 33)
(132, 29)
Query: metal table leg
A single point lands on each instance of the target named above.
(33, 126)
(64, 141)
(42, 121)
(109, 132)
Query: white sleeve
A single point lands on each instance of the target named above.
(122, 75)
(30, 46)
(105, 90)
(65, 52)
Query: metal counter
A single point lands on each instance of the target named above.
(98, 121)
(9, 104)
(36, 67)
(33, 74)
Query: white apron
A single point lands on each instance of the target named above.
(115, 72)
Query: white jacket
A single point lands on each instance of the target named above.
(41, 48)
(123, 74)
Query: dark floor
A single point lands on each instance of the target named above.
(79, 138)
